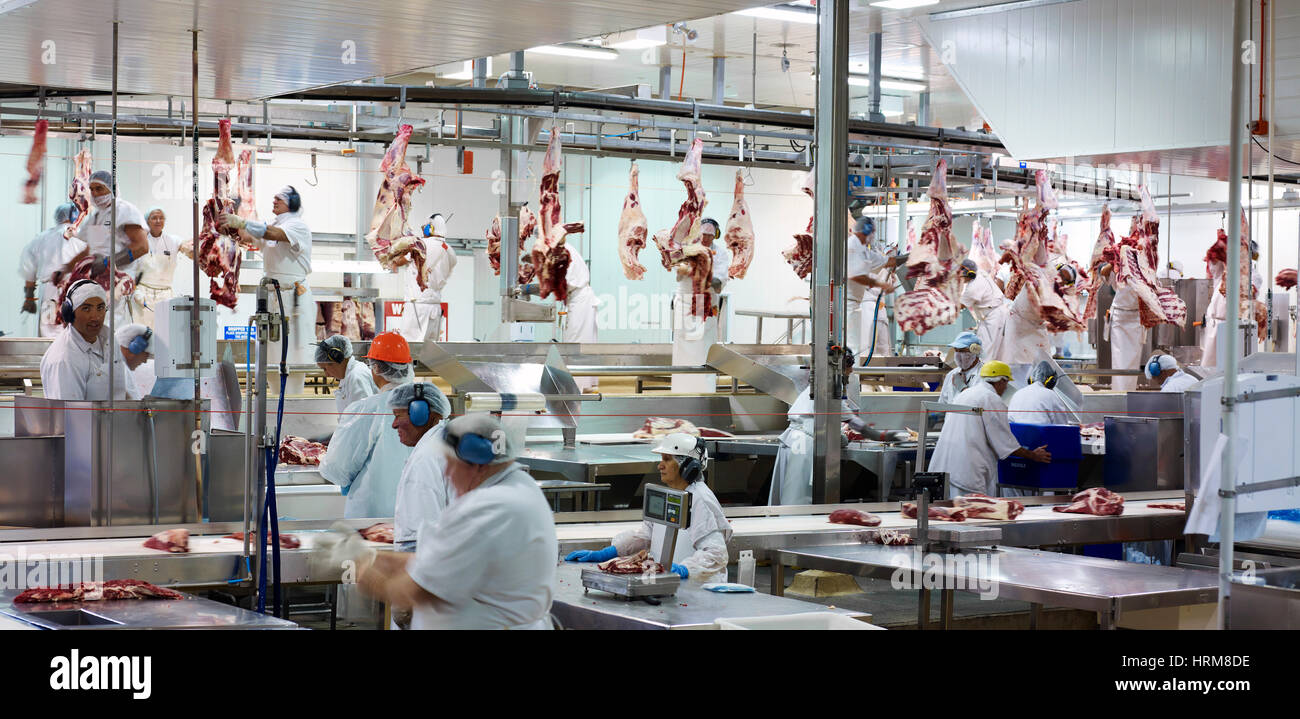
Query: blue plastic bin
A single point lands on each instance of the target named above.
(1062, 472)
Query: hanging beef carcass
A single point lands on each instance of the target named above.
(80, 195)
(35, 162)
(550, 256)
(527, 226)
(932, 265)
(1104, 252)
(88, 268)
(800, 254)
(739, 235)
(982, 252)
(1034, 272)
(390, 237)
(632, 228)
(1216, 260)
(218, 252)
(680, 246)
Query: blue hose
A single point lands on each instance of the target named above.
(270, 516)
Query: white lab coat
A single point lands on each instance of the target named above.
(1179, 381)
(1025, 339)
(580, 308)
(46, 254)
(703, 547)
(489, 559)
(422, 312)
(692, 338)
(958, 380)
(1037, 404)
(721, 262)
(98, 238)
(1126, 335)
(860, 301)
(290, 262)
(156, 272)
(971, 445)
(74, 369)
(422, 492)
(357, 384)
(990, 309)
(793, 474)
(1215, 313)
(365, 457)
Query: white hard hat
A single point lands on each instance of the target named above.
(680, 444)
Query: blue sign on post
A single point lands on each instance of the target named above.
(1023, 165)
(243, 334)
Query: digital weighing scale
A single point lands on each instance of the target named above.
(668, 511)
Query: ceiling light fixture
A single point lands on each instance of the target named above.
(590, 53)
(887, 84)
(646, 37)
(903, 4)
(784, 14)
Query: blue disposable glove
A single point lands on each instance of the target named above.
(344, 490)
(531, 289)
(680, 571)
(593, 555)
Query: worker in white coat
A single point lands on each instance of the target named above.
(580, 308)
(1025, 339)
(693, 334)
(422, 311)
(703, 556)
(792, 476)
(334, 357)
(971, 444)
(76, 365)
(709, 232)
(1124, 331)
(1164, 369)
(1039, 403)
(365, 455)
(868, 276)
(157, 269)
(131, 239)
(45, 255)
(986, 303)
(966, 352)
(486, 562)
(135, 341)
(285, 243)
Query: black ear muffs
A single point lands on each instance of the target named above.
(1050, 381)
(334, 353)
(294, 201)
(692, 468)
(66, 310)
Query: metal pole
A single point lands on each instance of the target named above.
(875, 43)
(480, 72)
(1236, 136)
(1279, 343)
(114, 354)
(719, 80)
(194, 294)
(831, 190)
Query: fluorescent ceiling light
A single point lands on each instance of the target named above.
(786, 14)
(903, 4)
(467, 71)
(904, 72)
(589, 53)
(892, 113)
(887, 84)
(642, 39)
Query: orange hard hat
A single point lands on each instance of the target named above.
(389, 347)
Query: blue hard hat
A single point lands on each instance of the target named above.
(965, 340)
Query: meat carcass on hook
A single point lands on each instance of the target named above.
(933, 264)
(80, 195)
(390, 236)
(739, 235)
(673, 241)
(1138, 254)
(218, 253)
(550, 258)
(87, 268)
(35, 162)
(800, 254)
(1032, 271)
(1104, 252)
(632, 228)
(527, 226)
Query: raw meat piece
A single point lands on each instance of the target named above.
(300, 451)
(96, 591)
(1098, 500)
(632, 228)
(1104, 251)
(170, 540)
(986, 258)
(979, 506)
(933, 266)
(1093, 431)
(527, 226)
(550, 256)
(1286, 279)
(389, 236)
(1261, 319)
(1180, 506)
(80, 195)
(911, 236)
(739, 235)
(381, 532)
(367, 317)
(945, 514)
(351, 319)
(1033, 271)
(892, 537)
(660, 426)
(86, 267)
(1133, 260)
(639, 563)
(853, 516)
(287, 541)
(800, 254)
(686, 230)
(35, 162)
(218, 249)
(494, 245)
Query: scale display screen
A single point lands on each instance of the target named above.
(666, 506)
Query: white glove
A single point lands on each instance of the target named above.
(233, 221)
(338, 549)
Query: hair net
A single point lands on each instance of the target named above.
(965, 340)
(1041, 372)
(63, 213)
(717, 229)
(865, 225)
(87, 291)
(485, 426)
(970, 266)
(396, 372)
(103, 177)
(402, 396)
(285, 193)
(130, 332)
(438, 224)
(338, 342)
(154, 209)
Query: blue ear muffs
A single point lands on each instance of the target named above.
(418, 410)
(472, 448)
(295, 200)
(67, 311)
(427, 229)
(140, 343)
(1153, 367)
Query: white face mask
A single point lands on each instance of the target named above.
(103, 202)
(966, 359)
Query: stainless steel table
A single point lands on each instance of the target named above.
(188, 613)
(1042, 578)
(881, 459)
(690, 608)
(585, 493)
(790, 319)
(587, 462)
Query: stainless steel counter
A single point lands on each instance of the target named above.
(587, 462)
(691, 608)
(1105, 586)
(188, 613)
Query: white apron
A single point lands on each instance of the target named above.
(692, 338)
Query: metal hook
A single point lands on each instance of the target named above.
(313, 172)
(747, 176)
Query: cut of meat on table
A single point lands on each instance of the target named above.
(1032, 272)
(97, 591)
(550, 258)
(661, 426)
(892, 538)
(639, 563)
(853, 516)
(171, 540)
(390, 235)
(80, 195)
(932, 265)
(302, 451)
(1097, 500)
(1286, 279)
(946, 514)
(979, 506)
(632, 228)
(739, 235)
(1180, 506)
(35, 162)
(381, 532)
(287, 541)
(87, 268)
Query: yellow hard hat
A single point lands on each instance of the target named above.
(995, 368)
